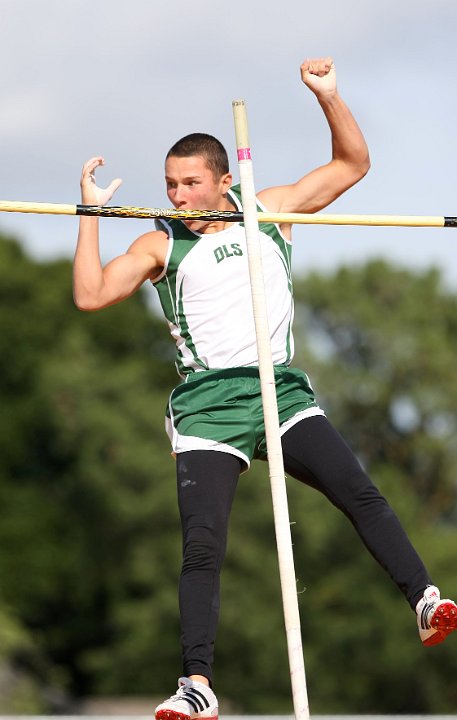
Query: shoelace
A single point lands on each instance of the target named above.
(194, 697)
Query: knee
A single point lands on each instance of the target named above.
(202, 547)
(357, 492)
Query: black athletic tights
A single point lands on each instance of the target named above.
(315, 454)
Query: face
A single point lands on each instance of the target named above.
(191, 185)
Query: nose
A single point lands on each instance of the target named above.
(179, 195)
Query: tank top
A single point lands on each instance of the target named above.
(205, 293)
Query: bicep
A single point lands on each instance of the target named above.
(314, 191)
(125, 274)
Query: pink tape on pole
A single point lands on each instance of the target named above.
(244, 154)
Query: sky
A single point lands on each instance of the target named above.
(126, 80)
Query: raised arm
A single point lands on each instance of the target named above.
(95, 286)
(350, 159)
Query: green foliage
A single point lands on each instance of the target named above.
(19, 691)
(381, 345)
(89, 533)
(86, 477)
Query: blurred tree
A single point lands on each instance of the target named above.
(21, 692)
(382, 344)
(86, 477)
(89, 531)
(379, 344)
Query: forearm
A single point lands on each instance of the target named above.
(87, 267)
(348, 143)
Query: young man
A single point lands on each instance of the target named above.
(214, 418)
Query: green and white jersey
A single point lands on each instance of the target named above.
(205, 293)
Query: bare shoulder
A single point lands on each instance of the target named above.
(153, 244)
(273, 198)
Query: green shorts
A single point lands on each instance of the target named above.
(222, 410)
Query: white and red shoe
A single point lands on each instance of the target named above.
(191, 700)
(436, 618)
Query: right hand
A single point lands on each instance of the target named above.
(91, 194)
(319, 75)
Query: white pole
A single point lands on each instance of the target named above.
(270, 410)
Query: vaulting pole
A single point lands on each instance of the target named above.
(270, 410)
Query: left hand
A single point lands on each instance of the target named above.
(319, 75)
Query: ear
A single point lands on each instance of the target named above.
(226, 182)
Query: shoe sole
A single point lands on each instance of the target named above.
(444, 621)
(173, 715)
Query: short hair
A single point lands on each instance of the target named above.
(205, 145)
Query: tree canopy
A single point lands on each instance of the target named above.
(89, 531)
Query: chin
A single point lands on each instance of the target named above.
(196, 225)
